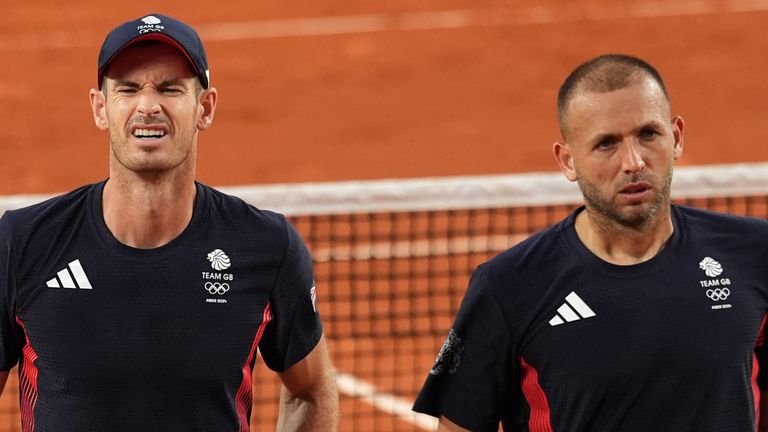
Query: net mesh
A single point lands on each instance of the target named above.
(390, 282)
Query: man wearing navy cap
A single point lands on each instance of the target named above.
(138, 303)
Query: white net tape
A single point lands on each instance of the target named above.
(467, 192)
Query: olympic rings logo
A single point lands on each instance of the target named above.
(718, 294)
(217, 288)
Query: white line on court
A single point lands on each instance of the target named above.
(408, 21)
(388, 403)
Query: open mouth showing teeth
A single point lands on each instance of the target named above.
(148, 133)
(635, 190)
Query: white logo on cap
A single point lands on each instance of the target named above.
(151, 19)
(151, 24)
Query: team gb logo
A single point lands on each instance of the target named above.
(151, 20)
(711, 267)
(219, 260)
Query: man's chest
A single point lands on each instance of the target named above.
(700, 317)
(198, 310)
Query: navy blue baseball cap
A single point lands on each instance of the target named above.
(160, 28)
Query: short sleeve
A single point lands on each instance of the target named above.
(470, 379)
(10, 337)
(295, 328)
(761, 345)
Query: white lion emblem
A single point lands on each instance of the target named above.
(151, 20)
(711, 267)
(219, 260)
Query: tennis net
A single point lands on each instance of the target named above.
(392, 261)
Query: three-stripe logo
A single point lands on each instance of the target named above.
(64, 278)
(573, 309)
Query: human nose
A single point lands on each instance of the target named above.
(149, 104)
(631, 157)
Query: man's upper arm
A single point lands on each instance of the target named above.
(473, 375)
(309, 400)
(311, 374)
(295, 327)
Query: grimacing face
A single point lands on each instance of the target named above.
(152, 109)
(621, 147)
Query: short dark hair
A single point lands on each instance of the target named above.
(605, 73)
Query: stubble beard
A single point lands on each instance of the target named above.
(151, 161)
(634, 218)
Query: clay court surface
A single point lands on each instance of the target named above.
(331, 90)
(391, 94)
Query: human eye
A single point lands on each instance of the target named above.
(171, 90)
(605, 143)
(648, 134)
(125, 90)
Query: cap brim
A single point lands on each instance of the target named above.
(160, 37)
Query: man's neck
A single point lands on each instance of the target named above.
(622, 245)
(147, 212)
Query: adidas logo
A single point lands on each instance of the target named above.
(64, 277)
(573, 309)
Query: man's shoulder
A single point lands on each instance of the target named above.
(700, 220)
(226, 201)
(50, 211)
(524, 277)
(536, 253)
(232, 206)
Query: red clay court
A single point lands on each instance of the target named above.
(331, 90)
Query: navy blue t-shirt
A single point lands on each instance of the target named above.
(114, 338)
(549, 337)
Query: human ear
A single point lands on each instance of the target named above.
(98, 108)
(564, 159)
(208, 101)
(677, 131)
